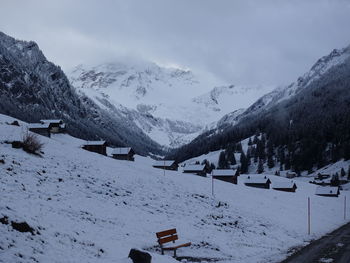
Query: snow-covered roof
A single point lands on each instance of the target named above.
(51, 121)
(95, 142)
(327, 190)
(224, 172)
(256, 179)
(121, 150)
(38, 126)
(284, 185)
(194, 167)
(163, 163)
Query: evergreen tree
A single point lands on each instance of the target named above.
(287, 163)
(238, 146)
(244, 163)
(222, 163)
(260, 167)
(335, 180)
(270, 160)
(349, 173)
(255, 140)
(230, 154)
(342, 172)
(250, 142)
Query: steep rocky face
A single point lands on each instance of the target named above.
(32, 88)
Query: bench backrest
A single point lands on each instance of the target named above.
(166, 236)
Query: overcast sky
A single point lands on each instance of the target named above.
(238, 42)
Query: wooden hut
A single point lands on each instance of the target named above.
(56, 126)
(123, 153)
(39, 128)
(285, 186)
(332, 191)
(96, 146)
(291, 175)
(198, 169)
(258, 181)
(166, 165)
(322, 176)
(227, 175)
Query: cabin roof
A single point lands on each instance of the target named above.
(257, 180)
(58, 121)
(194, 167)
(284, 185)
(95, 143)
(121, 150)
(38, 125)
(327, 190)
(224, 172)
(163, 163)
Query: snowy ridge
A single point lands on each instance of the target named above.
(324, 64)
(92, 208)
(159, 99)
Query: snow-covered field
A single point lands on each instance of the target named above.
(92, 208)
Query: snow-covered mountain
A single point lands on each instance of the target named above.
(79, 206)
(170, 105)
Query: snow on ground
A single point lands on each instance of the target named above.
(92, 208)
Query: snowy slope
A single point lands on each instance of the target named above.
(92, 208)
(160, 100)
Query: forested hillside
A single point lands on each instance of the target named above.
(306, 130)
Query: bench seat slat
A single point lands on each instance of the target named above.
(178, 246)
(168, 239)
(166, 233)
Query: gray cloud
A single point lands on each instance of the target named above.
(240, 42)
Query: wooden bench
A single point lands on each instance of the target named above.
(167, 236)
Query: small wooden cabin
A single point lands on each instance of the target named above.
(123, 153)
(285, 186)
(332, 191)
(198, 169)
(56, 126)
(227, 175)
(258, 181)
(96, 146)
(166, 165)
(39, 128)
(291, 175)
(322, 176)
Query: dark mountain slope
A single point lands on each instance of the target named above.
(311, 124)
(32, 88)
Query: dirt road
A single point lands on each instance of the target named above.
(334, 247)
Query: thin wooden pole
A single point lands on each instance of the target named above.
(212, 184)
(164, 168)
(344, 207)
(308, 216)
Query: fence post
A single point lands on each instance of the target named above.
(344, 207)
(212, 184)
(308, 216)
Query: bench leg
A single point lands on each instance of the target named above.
(162, 252)
(174, 253)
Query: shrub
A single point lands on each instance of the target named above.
(31, 143)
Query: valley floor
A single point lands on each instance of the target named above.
(85, 207)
